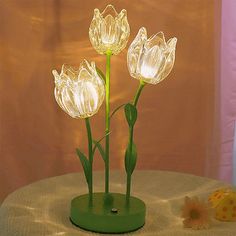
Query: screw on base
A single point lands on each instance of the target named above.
(114, 210)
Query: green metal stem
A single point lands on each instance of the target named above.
(90, 150)
(140, 88)
(128, 186)
(108, 68)
(131, 134)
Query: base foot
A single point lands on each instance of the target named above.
(108, 213)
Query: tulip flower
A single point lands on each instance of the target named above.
(151, 60)
(79, 92)
(109, 31)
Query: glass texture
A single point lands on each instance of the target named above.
(79, 92)
(109, 31)
(151, 60)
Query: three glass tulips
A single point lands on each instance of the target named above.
(80, 92)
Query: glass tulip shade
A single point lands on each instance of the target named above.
(79, 92)
(151, 60)
(109, 31)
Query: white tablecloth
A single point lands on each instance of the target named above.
(42, 208)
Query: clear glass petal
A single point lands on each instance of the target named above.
(108, 31)
(157, 39)
(151, 62)
(123, 32)
(70, 72)
(109, 10)
(135, 51)
(79, 92)
(170, 59)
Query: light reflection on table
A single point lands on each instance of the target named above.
(42, 208)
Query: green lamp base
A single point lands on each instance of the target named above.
(108, 213)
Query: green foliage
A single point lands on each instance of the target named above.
(113, 113)
(130, 114)
(100, 149)
(130, 159)
(101, 74)
(130, 156)
(85, 163)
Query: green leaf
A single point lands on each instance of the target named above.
(100, 149)
(130, 114)
(103, 137)
(85, 163)
(101, 74)
(130, 159)
(113, 113)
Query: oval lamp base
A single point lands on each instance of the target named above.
(108, 213)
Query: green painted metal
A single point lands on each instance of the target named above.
(131, 114)
(107, 120)
(113, 216)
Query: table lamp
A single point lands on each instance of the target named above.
(81, 91)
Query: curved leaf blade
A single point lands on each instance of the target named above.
(100, 149)
(118, 108)
(85, 164)
(130, 114)
(101, 74)
(130, 159)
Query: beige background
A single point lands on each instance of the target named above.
(177, 127)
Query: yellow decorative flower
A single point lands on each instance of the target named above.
(79, 92)
(151, 60)
(109, 31)
(196, 214)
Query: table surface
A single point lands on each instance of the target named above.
(42, 208)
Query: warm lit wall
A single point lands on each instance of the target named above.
(175, 128)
